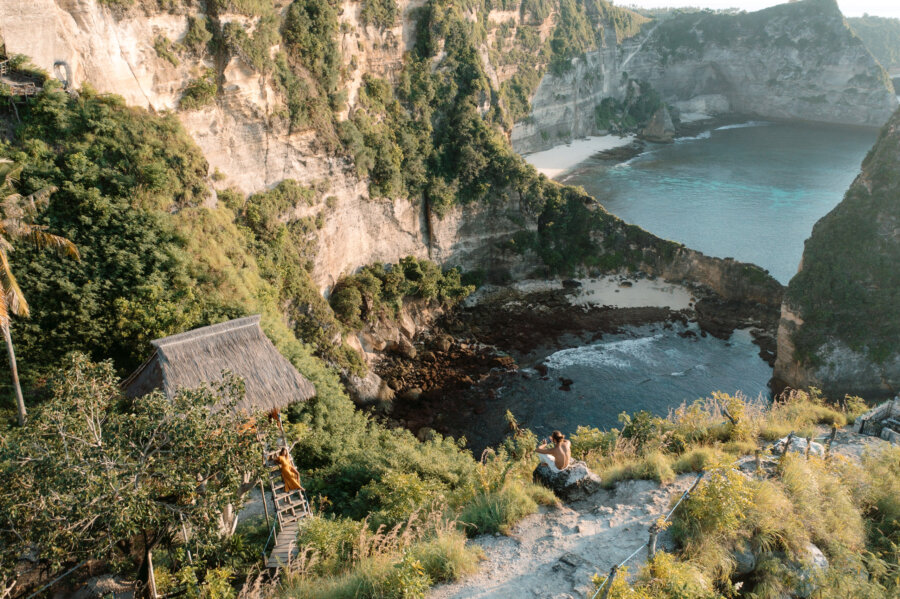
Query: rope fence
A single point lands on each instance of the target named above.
(656, 527)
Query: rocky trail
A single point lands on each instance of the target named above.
(554, 553)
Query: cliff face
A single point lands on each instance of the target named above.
(793, 61)
(251, 144)
(840, 323)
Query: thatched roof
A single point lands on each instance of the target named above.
(196, 357)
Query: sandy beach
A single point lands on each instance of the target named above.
(618, 292)
(614, 291)
(559, 160)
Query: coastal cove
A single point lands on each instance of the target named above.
(750, 191)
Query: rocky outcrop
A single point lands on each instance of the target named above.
(660, 129)
(793, 61)
(572, 484)
(839, 322)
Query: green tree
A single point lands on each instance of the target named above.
(96, 475)
(17, 210)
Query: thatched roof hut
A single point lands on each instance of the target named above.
(196, 357)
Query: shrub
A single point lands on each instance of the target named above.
(200, 92)
(652, 466)
(198, 35)
(495, 511)
(163, 48)
(331, 540)
(446, 557)
(381, 13)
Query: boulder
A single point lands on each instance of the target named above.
(798, 445)
(403, 348)
(807, 571)
(104, 586)
(744, 559)
(574, 483)
(368, 390)
(442, 343)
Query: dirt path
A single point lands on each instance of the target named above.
(553, 554)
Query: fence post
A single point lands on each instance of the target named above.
(830, 441)
(651, 544)
(609, 582)
(808, 445)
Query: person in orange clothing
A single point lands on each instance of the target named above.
(289, 474)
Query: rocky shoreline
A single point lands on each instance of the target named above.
(450, 373)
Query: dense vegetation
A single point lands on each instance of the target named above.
(846, 290)
(378, 290)
(132, 194)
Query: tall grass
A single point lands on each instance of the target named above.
(403, 561)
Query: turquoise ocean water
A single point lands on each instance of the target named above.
(751, 192)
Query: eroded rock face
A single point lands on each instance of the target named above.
(574, 483)
(660, 129)
(840, 321)
(793, 61)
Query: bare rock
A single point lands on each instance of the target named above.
(798, 445)
(368, 390)
(104, 586)
(574, 483)
(660, 129)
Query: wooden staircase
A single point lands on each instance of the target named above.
(290, 508)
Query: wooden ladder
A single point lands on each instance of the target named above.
(290, 508)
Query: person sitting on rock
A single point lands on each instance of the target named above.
(559, 456)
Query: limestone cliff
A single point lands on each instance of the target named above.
(252, 141)
(840, 322)
(793, 61)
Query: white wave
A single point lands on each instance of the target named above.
(704, 135)
(744, 125)
(620, 355)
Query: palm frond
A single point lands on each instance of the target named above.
(37, 235)
(13, 299)
(4, 313)
(10, 172)
(39, 200)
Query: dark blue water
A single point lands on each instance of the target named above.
(748, 192)
(645, 368)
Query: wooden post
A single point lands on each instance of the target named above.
(151, 577)
(756, 455)
(830, 441)
(651, 544)
(609, 582)
(265, 503)
(808, 445)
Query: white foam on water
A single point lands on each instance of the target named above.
(744, 125)
(620, 354)
(704, 135)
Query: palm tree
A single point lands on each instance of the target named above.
(15, 212)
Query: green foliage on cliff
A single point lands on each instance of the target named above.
(378, 289)
(847, 288)
(380, 13)
(200, 92)
(881, 36)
